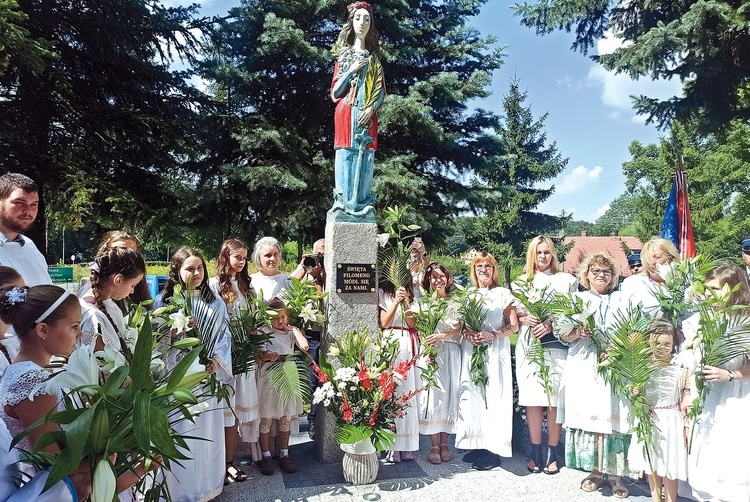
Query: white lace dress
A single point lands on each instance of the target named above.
(19, 379)
(94, 322)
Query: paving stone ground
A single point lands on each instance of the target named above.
(419, 480)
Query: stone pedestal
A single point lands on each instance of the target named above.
(345, 243)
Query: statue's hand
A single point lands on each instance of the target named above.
(364, 118)
(357, 65)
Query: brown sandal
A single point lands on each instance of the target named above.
(434, 456)
(445, 453)
(618, 489)
(592, 482)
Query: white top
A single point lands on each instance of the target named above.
(19, 379)
(241, 300)
(641, 290)
(281, 342)
(26, 259)
(13, 345)
(384, 303)
(269, 286)
(94, 322)
(561, 282)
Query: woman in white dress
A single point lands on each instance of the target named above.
(640, 288)
(268, 282)
(542, 266)
(393, 304)
(232, 284)
(595, 420)
(202, 477)
(719, 438)
(438, 404)
(485, 418)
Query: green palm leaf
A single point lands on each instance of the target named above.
(289, 379)
(393, 265)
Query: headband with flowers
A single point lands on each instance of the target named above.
(359, 5)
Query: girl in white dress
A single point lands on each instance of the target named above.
(115, 273)
(541, 264)
(719, 433)
(281, 345)
(392, 305)
(485, 419)
(202, 477)
(596, 421)
(438, 404)
(232, 284)
(640, 288)
(663, 392)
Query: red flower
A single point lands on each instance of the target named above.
(373, 416)
(322, 377)
(364, 379)
(403, 368)
(371, 421)
(347, 414)
(393, 427)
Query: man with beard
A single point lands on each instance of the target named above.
(19, 204)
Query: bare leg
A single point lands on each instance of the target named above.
(553, 428)
(534, 417)
(230, 442)
(670, 487)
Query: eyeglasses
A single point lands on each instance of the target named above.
(635, 266)
(483, 265)
(600, 271)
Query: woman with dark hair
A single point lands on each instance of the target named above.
(438, 404)
(718, 434)
(358, 89)
(202, 476)
(392, 306)
(9, 343)
(233, 285)
(485, 416)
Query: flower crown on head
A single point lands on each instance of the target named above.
(359, 5)
(16, 295)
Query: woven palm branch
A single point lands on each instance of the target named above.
(432, 308)
(289, 379)
(474, 314)
(393, 265)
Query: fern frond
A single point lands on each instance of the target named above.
(289, 379)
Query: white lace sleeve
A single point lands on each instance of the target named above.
(93, 323)
(19, 380)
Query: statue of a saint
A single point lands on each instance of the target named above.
(358, 89)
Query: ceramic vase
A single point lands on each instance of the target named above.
(360, 462)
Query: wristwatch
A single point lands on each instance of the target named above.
(731, 375)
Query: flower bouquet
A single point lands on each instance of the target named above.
(196, 319)
(361, 391)
(303, 302)
(118, 417)
(572, 312)
(540, 303)
(473, 312)
(248, 336)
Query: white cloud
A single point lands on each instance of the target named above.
(578, 180)
(602, 210)
(616, 89)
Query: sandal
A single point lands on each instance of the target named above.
(434, 456)
(551, 459)
(536, 457)
(592, 482)
(445, 454)
(618, 489)
(234, 474)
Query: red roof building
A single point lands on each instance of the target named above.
(584, 245)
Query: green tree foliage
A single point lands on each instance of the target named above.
(17, 47)
(509, 181)
(271, 70)
(718, 168)
(704, 43)
(101, 125)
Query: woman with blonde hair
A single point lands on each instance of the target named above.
(595, 420)
(485, 416)
(641, 288)
(542, 268)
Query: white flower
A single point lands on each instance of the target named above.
(344, 375)
(383, 239)
(179, 320)
(81, 370)
(333, 351)
(308, 312)
(109, 359)
(104, 484)
(324, 394)
(534, 296)
(665, 269)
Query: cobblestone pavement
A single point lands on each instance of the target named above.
(419, 480)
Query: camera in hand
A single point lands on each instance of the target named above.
(312, 261)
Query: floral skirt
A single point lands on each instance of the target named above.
(582, 451)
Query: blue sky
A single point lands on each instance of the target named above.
(590, 113)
